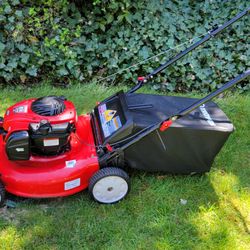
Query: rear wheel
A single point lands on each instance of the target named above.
(109, 185)
(2, 194)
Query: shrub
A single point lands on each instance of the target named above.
(56, 40)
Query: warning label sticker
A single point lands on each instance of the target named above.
(110, 122)
(109, 114)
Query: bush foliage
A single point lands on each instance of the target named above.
(58, 40)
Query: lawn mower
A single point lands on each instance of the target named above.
(46, 150)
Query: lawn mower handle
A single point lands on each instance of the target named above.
(211, 34)
(217, 92)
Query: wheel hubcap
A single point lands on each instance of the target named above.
(110, 189)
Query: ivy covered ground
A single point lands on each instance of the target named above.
(55, 40)
(216, 215)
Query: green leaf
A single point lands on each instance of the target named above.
(63, 71)
(32, 71)
(109, 18)
(24, 57)
(19, 13)
(2, 46)
(120, 18)
(170, 42)
(7, 9)
(7, 76)
(2, 18)
(15, 2)
(71, 64)
(21, 46)
(2, 65)
(12, 64)
(171, 87)
(128, 18)
(144, 52)
(102, 26)
(11, 19)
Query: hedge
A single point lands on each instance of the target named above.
(61, 42)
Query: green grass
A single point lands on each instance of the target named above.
(216, 216)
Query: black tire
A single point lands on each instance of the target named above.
(2, 195)
(109, 185)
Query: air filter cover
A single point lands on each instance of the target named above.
(48, 106)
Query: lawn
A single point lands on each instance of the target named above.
(216, 215)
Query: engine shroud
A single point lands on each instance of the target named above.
(40, 126)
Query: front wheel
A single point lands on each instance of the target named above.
(2, 194)
(109, 185)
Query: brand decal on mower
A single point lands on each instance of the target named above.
(206, 115)
(21, 109)
(72, 184)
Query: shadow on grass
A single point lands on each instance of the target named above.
(151, 217)
(172, 225)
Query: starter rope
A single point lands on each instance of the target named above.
(152, 57)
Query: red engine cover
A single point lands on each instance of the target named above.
(54, 176)
(48, 176)
(19, 116)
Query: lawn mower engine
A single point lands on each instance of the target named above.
(39, 127)
(46, 150)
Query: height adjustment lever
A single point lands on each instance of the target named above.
(165, 125)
